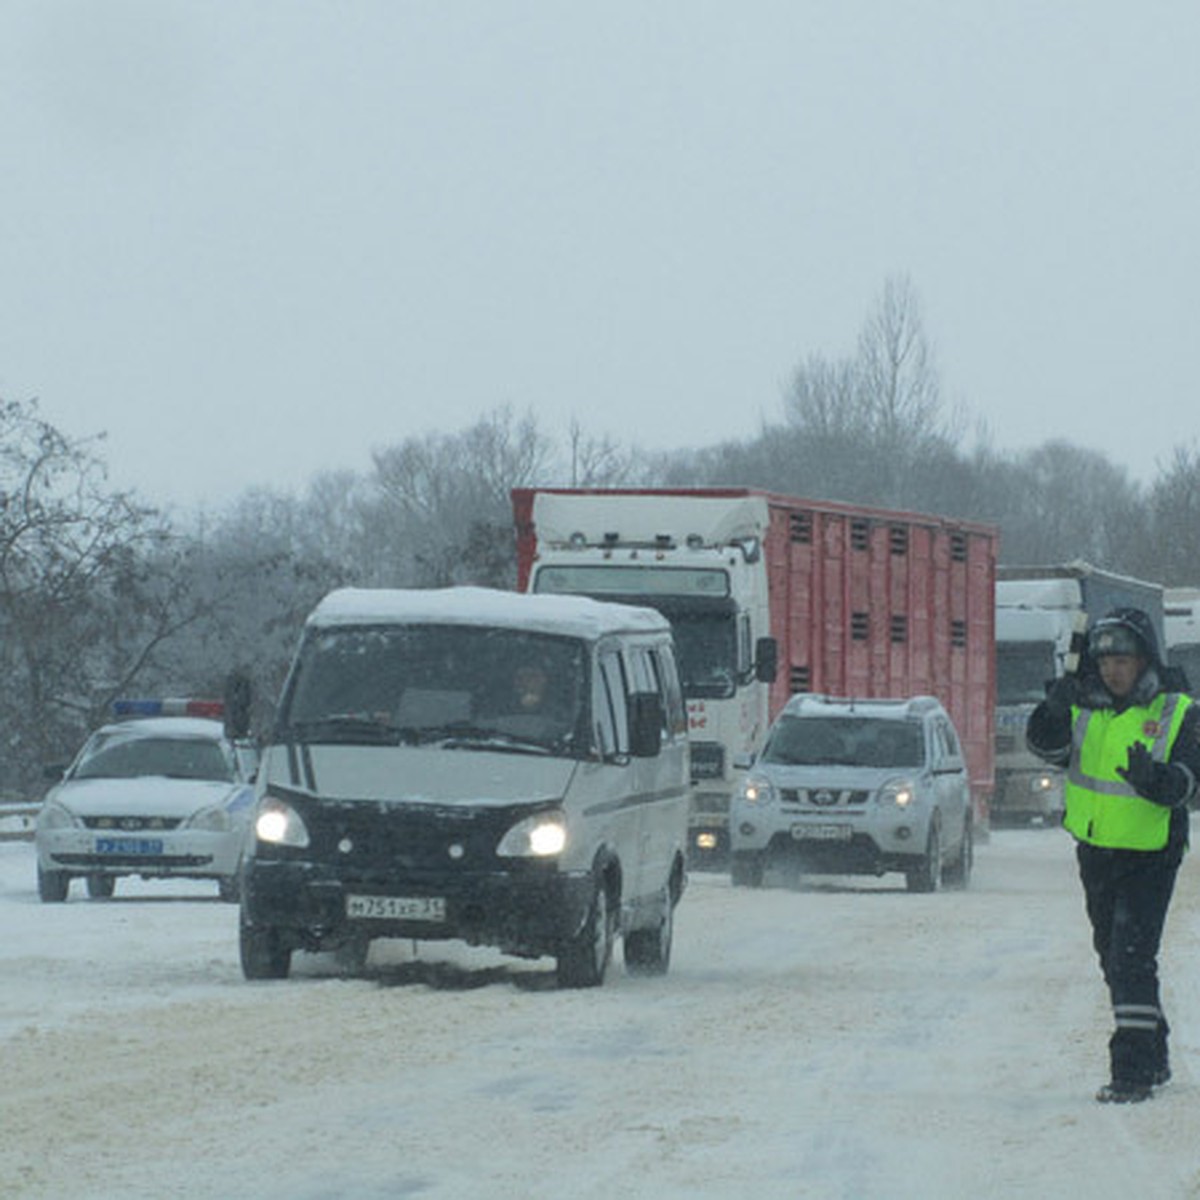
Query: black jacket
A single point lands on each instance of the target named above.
(1048, 732)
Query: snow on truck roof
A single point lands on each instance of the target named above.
(569, 616)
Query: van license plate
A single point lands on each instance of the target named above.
(821, 833)
(396, 908)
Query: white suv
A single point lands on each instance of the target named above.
(847, 786)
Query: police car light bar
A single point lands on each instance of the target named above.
(169, 708)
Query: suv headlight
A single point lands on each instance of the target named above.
(900, 792)
(757, 790)
(542, 835)
(278, 823)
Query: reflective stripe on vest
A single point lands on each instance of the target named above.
(1102, 808)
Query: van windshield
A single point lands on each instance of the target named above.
(845, 741)
(453, 686)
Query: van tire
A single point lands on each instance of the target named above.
(648, 951)
(584, 958)
(263, 954)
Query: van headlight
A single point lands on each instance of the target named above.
(757, 790)
(279, 824)
(900, 792)
(542, 835)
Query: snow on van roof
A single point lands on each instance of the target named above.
(574, 616)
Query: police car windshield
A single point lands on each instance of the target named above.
(124, 757)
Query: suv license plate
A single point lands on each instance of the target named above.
(821, 833)
(396, 908)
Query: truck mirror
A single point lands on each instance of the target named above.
(766, 660)
(646, 721)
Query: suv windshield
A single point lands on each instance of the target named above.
(460, 687)
(119, 756)
(845, 741)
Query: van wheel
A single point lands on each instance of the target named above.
(926, 876)
(101, 887)
(648, 951)
(264, 956)
(746, 869)
(351, 955)
(958, 873)
(584, 958)
(229, 888)
(53, 886)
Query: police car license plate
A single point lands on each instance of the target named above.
(109, 845)
(821, 833)
(396, 908)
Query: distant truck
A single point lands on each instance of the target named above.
(1038, 608)
(1181, 620)
(771, 595)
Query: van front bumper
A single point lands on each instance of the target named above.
(528, 911)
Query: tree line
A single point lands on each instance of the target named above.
(101, 595)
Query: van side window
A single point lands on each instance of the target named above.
(612, 717)
(663, 663)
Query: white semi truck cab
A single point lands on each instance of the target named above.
(700, 562)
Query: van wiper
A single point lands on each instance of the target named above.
(459, 735)
(351, 728)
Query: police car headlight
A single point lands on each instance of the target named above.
(210, 820)
(900, 792)
(279, 824)
(55, 816)
(540, 836)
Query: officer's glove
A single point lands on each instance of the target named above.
(1148, 778)
(1061, 694)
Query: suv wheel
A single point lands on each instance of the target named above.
(926, 876)
(958, 873)
(746, 869)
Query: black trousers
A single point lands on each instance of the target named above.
(1127, 893)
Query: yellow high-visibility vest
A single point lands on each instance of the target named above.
(1102, 808)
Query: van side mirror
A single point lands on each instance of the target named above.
(766, 660)
(646, 720)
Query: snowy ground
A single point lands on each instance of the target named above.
(835, 1041)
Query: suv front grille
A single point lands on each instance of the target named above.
(823, 798)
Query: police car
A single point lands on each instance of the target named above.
(163, 793)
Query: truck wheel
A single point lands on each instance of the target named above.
(926, 876)
(264, 956)
(584, 958)
(101, 887)
(229, 888)
(746, 869)
(958, 873)
(648, 951)
(53, 886)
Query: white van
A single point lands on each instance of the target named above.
(503, 769)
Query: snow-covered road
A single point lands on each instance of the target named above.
(841, 1040)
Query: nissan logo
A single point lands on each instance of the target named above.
(824, 797)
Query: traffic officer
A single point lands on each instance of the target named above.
(1131, 748)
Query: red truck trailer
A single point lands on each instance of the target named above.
(770, 595)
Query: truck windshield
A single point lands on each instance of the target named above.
(845, 742)
(1022, 671)
(707, 649)
(456, 687)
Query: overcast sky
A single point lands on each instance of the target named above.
(253, 241)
